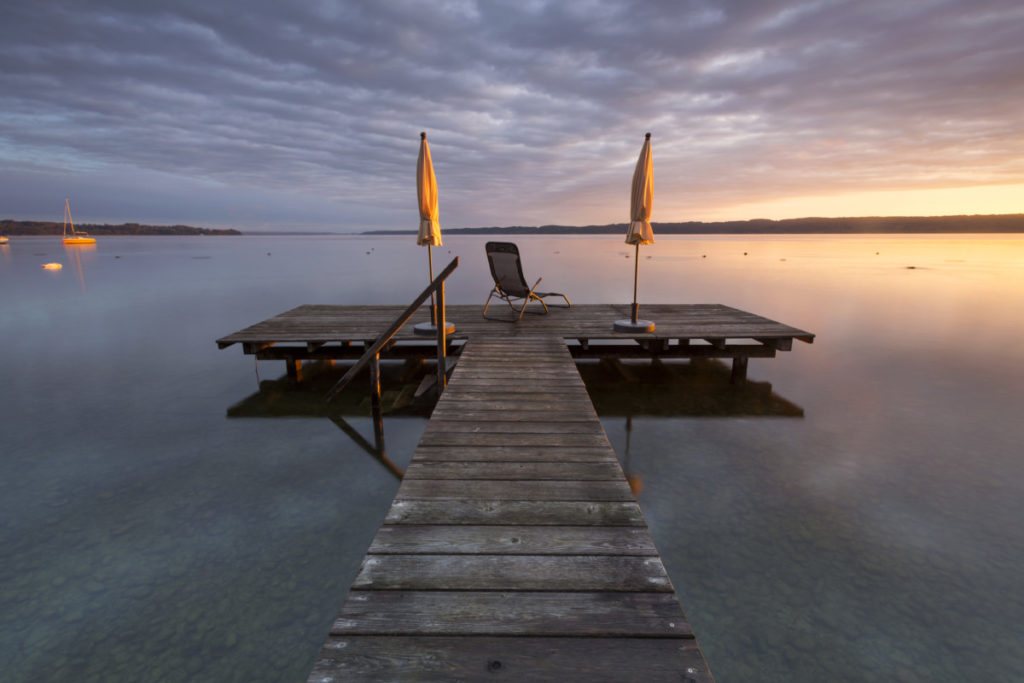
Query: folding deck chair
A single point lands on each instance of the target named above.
(509, 281)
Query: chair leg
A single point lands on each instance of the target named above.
(488, 303)
(530, 296)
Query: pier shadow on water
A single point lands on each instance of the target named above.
(404, 393)
(694, 388)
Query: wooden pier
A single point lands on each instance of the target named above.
(683, 331)
(514, 547)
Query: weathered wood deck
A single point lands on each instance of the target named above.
(682, 330)
(514, 548)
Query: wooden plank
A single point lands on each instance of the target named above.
(448, 414)
(538, 660)
(485, 400)
(581, 513)
(565, 427)
(426, 453)
(578, 471)
(506, 388)
(489, 489)
(509, 613)
(441, 438)
(511, 540)
(513, 572)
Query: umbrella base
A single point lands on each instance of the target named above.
(430, 329)
(630, 326)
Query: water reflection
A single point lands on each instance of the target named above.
(75, 252)
(695, 388)
(399, 383)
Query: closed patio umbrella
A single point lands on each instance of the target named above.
(639, 232)
(429, 234)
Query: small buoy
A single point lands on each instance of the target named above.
(117, 257)
(744, 253)
(52, 266)
(268, 253)
(704, 256)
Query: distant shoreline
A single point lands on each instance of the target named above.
(972, 224)
(996, 223)
(43, 228)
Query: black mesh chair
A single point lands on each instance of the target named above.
(510, 283)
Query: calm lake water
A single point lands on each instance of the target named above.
(145, 535)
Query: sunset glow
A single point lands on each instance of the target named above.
(987, 199)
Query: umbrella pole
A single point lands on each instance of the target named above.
(430, 269)
(636, 273)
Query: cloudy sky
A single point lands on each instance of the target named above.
(306, 115)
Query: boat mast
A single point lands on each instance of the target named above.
(67, 218)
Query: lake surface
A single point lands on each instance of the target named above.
(145, 535)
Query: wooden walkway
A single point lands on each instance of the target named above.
(514, 548)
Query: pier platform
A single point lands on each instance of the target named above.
(314, 332)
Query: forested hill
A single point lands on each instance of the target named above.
(1004, 223)
(11, 227)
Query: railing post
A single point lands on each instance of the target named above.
(373, 351)
(442, 342)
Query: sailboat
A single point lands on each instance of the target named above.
(75, 237)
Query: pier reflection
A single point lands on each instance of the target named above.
(284, 397)
(699, 387)
(627, 389)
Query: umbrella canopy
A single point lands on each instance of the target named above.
(642, 198)
(426, 190)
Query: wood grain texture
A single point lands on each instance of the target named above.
(541, 513)
(513, 572)
(493, 613)
(426, 453)
(538, 660)
(514, 489)
(397, 539)
(579, 471)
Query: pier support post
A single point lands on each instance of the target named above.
(442, 342)
(739, 370)
(375, 402)
(294, 367)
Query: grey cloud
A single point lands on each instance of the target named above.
(535, 110)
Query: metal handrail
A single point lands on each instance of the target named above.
(373, 353)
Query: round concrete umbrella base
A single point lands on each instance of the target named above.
(431, 329)
(630, 326)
